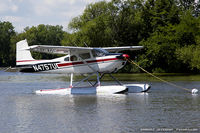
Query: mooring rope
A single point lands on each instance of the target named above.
(167, 82)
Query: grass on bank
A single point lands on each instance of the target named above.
(143, 77)
(137, 76)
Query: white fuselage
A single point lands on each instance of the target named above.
(104, 64)
(99, 64)
(78, 59)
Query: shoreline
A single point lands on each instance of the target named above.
(130, 76)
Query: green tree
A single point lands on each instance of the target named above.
(42, 35)
(6, 33)
(160, 18)
(160, 13)
(188, 30)
(93, 26)
(189, 37)
(190, 55)
(114, 23)
(159, 51)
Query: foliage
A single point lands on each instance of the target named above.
(162, 26)
(190, 55)
(6, 33)
(189, 37)
(42, 35)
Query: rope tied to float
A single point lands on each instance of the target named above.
(194, 91)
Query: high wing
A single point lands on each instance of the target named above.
(67, 49)
(57, 49)
(117, 49)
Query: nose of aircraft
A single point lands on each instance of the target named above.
(126, 56)
(123, 56)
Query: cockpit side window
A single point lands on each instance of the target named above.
(66, 59)
(85, 55)
(94, 53)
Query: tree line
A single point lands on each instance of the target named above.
(169, 30)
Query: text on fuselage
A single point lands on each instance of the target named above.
(45, 67)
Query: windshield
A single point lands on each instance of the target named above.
(99, 52)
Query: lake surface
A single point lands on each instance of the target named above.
(163, 108)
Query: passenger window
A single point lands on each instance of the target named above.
(94, 53)
(66, 59)
(73, 58)
(85, 55)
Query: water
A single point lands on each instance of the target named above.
(163, 108)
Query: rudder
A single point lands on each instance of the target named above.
(23, 53)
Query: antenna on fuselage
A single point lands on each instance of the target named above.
(85, 44)
(75, 44)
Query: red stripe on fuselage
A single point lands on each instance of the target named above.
(92, 61)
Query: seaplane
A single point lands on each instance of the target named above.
(90, 61)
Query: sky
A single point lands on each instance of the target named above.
(23, 13)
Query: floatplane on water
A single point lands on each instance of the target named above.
(79, 60)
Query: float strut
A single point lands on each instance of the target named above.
(98, 80)
(71, 80)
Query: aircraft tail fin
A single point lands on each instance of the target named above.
(23, 54)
